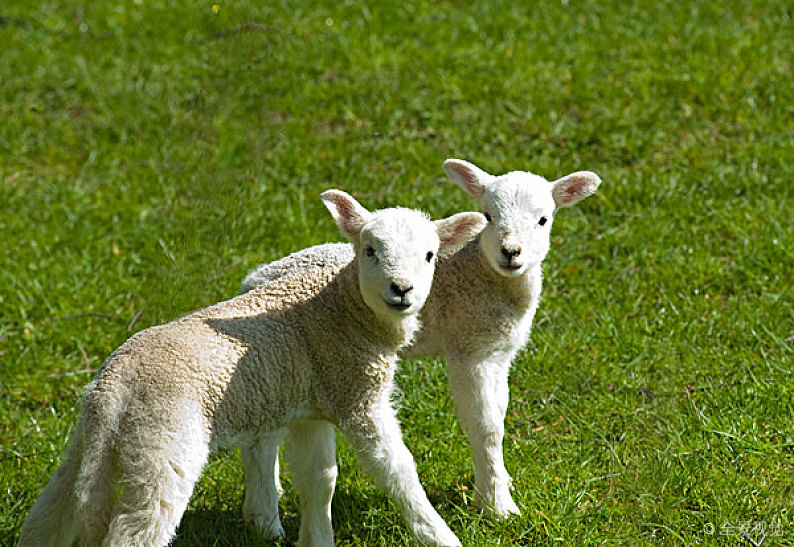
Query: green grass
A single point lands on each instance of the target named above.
(150, 155)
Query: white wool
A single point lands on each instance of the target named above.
(295, 355)
(480, 310)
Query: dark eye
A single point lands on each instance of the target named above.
(370, 251)
(542, 221)
(487, 217)
(429, 256)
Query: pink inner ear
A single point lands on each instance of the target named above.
(346, 210)
(470, 177)
(575, 187)
(463, 229)
(462, 172)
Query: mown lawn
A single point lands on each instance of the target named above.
(151, 154)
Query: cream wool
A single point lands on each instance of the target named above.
(479, 312)
(297, 355)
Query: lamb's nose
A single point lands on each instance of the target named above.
(402, 289)
(510, 252)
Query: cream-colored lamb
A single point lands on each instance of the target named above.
(477, 316)
(300, 354)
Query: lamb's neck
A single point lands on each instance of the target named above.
(394, 333)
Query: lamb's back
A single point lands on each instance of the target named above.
(329, 257)
(245, 360)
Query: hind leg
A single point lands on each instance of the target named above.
(94, 493)
(311, 451)
(262, 486)
(157, 472)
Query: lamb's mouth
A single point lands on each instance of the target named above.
(512, 266)
(399, 306)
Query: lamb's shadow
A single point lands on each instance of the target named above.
(226, 527)
(221, 528)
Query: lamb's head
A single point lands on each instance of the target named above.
(396, 250)
(520, 209)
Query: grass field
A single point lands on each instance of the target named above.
(151, 154)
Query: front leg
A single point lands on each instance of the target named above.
(378, 445)
(481, 394)
(262, 485)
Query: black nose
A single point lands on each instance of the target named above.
(401, 290)
(511, 252)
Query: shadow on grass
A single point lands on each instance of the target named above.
(355, 517)
(223, 528)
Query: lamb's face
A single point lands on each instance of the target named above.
(396, 250)
(520, 209)
(396, 253)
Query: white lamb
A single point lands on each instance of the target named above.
(477, 316)
(300, 354)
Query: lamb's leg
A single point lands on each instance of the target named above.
(383, 455)
(157, 471)
(262, 485)
(311, 452)
(481, 395)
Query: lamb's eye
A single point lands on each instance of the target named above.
(370, 250)
(542, 221)
(487, 217)
(429, 256)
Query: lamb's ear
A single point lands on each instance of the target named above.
(468, 176)
(574, 188)
(458, 229)
(348, 214)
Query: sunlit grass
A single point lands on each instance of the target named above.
(151, 154)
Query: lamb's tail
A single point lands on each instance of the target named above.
(77, 500)
(51, 521)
